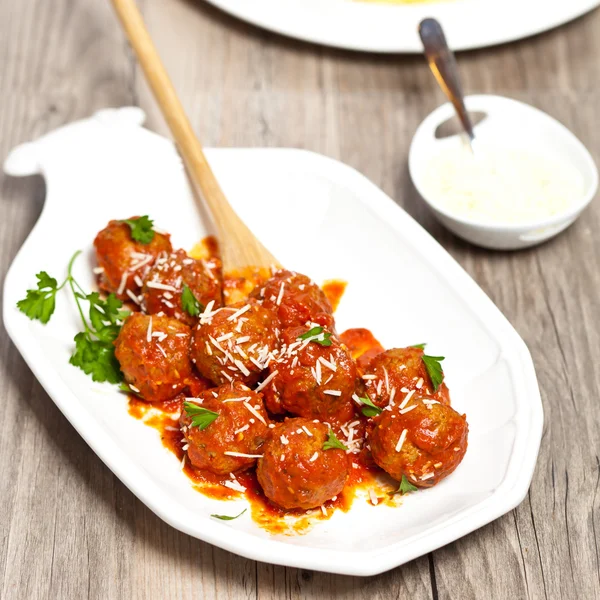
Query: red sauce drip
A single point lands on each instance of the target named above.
(212, 246)
(207, 247)
(362, 345)
(334, 290)
(238, 285)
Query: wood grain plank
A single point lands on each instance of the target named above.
(59, 500)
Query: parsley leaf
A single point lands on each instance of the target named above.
(370, 410)
(434, 370)
(333, 442)
(190, 303)
(201, 417)
(141, 229)
(94, 349)
(105, 315)
(40, 303)
(419, 346)
(227, 518)
(405, 487)
(321, 336)
(96, 358)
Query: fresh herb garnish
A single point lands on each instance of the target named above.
(96, 358)
(125, 387)
(201, 417)
(370, 410)
(333, 442)
(320, 336)
(405, 487)
(40, 303)
(141, 229)
(419, 346)
(227, 518)
(434, 370)
(190, 303)
(94, 349)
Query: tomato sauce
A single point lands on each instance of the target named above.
(362, 477)
(238, 285)
(362, 345)
(365, 479)
(207, 247)
(334, 290)
(272, 518)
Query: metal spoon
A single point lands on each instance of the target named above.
(443, 66)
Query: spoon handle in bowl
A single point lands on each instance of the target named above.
(443, 66)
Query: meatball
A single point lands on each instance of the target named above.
(163, 285)
(425, 441)
(397, 372)
(295, 471)
(154, 354)
(123, 262)
(311, 380)
(235, 343)
(240, 428)
(296, 300)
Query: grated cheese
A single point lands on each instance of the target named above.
(501, 184)
(401, 440)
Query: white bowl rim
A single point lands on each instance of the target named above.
(569, 214)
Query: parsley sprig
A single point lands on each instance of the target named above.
(141, 229)
(405, 487)
(434, 370)
(228, 518)
(419, 346)
(332, 442)
(201, 417)
(317, 335)
(40, 303)
(94, 349)
(190, 303)
(370, 410)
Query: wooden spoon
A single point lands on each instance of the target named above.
(239, 247)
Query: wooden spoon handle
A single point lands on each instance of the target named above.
(239, 247)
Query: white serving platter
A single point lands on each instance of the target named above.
(381, 27)
(320, 217)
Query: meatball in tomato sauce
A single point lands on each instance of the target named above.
(311, 379)
(295, 471)
(154, 355)
(232, 439)
(424, 441)
(296, 300)
(124, 262)
(165, 282)
(393, 374)
(235, 343)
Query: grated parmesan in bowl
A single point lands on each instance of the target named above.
(500, 184)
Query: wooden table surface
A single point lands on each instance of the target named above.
(69, 528)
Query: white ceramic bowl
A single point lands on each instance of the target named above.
(520, 124)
